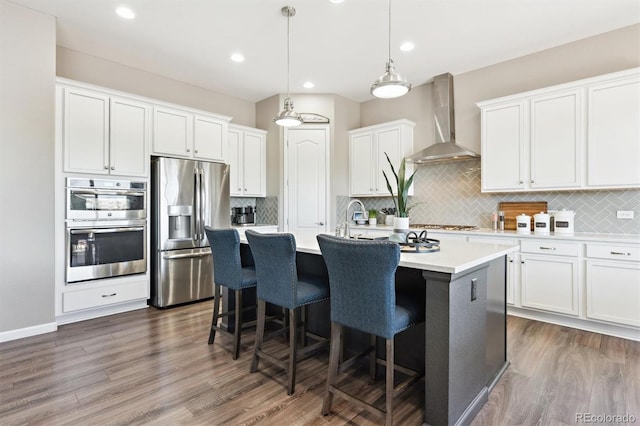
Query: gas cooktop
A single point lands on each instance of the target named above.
(444, 227)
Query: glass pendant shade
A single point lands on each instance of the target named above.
(288, 117)
(390, 84)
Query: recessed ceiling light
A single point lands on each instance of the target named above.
(336, 1)
(308, 85)
(237, 57)
(125, 12)
(407, 46)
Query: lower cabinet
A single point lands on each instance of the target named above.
(549, 283)
(613, 291)
(93, 297)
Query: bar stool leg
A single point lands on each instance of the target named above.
(372, 357)
(334, 359)
(259, 334)
(216, 312)
(293, 350)
(238, 325)
(389, 384)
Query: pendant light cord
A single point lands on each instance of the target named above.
(389, 30)
(288, 54)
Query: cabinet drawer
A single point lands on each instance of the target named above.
(549, 247)
(94, 297)
(613, 252)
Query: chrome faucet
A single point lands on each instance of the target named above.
(346, 224)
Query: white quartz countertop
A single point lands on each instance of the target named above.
(576, 236)
(454, 256)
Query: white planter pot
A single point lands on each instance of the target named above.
(373, 221)
(400, 224)
(388, 220)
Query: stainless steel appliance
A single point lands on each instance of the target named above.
(105, 229)
(186, 195)
(243, 215)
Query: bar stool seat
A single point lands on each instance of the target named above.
(280, 284)
(364, 297)
(229, 272)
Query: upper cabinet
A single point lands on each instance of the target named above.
(104, 134)
(367, 160)
(181, 133)
(247, 158)
(580, 135)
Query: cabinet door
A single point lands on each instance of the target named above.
(549, 283)
(555, 140)
(86, 132)
(172, 132)
(613, 292)
(209, 138)
(388, 141)
(129, 130)
(503, 144)
(361, 164)
(613, 135)
(254, 168)
(234, 159)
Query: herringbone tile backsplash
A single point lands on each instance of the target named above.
(449, 193)
(266, 208)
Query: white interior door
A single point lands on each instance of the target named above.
(306, 180)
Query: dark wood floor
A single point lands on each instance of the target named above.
(151, 366)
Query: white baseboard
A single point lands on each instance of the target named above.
(102, 311)
(624, 332)
(21, 333)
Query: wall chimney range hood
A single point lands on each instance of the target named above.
(445, 148)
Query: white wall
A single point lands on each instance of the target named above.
(27, 96)
(90, 69)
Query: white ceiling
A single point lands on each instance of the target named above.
(342, 48)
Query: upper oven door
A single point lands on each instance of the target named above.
(98, 201)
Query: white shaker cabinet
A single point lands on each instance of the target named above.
(579, 135)
(104, 134)
(614, 133)
(613, 283)
(367, 160)
(550, 276)
(182, 133)
(247, 158)
(532, 143)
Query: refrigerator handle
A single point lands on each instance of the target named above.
(196, 207)
(202, 200)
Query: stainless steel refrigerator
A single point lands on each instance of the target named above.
(186, 195)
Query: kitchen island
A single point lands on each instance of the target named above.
(465, 327)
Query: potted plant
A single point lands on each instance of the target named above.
(400, 200)
(373, 217)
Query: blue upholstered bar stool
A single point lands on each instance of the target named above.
(280, 284)
(229, 272)
(364, 297)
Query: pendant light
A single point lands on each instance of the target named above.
(288, 117)
(390, 84)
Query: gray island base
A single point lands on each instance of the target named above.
(462, 345)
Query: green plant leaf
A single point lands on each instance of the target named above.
(390, 190)
(400, 200)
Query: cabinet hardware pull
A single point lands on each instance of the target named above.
(547, 248)
(533, 181)
(522, 261)
(113, 168)
(521, 182)
(320, 223)
(106, 167)
(109, 295)
(188, 150)
(619, 253)
(196, 151)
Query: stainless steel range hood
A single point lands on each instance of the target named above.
(445, 148)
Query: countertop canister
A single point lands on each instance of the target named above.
(564, 220)
(523, 223)
(541, 223)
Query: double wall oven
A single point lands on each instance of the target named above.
(106, 229)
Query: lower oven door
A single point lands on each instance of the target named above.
(105, 251)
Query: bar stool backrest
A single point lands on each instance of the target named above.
(225, 250)
(275, 261)
(362, 283)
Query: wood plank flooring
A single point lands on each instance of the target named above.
(155, 367)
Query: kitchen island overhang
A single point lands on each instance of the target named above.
(465, 327)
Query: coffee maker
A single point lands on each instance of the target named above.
(243, 215)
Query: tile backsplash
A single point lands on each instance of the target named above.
(449, 193)
(266, 208)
